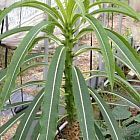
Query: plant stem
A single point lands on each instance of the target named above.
(69, 98)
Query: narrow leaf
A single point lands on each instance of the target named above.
(14, 31)
(119, 71)
(126, 50)
(117, 10)
(35, 4)
(112, 124)
(86, 4)
(99, 135)
(83, 105)
(51, 97)
(119, 81)
(18, 59)
(117, 3)
(30, 57)
(18, 104)
(29, 116)
(2, 74)
(10, 123)
(81, 6)
(61, 7)
(105, 48)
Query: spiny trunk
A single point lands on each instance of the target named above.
(69, 99)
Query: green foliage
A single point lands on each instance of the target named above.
(120, 112)
(68, 18)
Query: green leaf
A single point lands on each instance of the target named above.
(30, 57)
(108, 117)
(61, 7)
(35, 134)
(128, 87)
(99, 134)
(18, 59)
(117, 3)
(105, 48)
(83, 105)
(32, 66)
(35, 4)
(85, 48)
(27, 84)
(11, 122)
(81, 6)
(128, 53)
(14, 31)
(29, 116)
(119, 81)
(125, 98)
(51, 97)
(70, 9)
(83, 32)
(126, 43)
(86, 4)
(119, 71)
(2, 74)
(13, 105)
(121, 112)
(137, 118)
(117, 10)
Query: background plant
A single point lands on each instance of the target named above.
(77, 94)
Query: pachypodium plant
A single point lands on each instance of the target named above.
(74, 18)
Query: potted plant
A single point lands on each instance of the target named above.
(77, 94)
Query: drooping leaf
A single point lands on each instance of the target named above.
(29, 117)
(14, 31)
(83, 105)
(127, 52)
(119, 71)
(18, 104)
(85, 48)
(30, 57)
(2, 74)
(35, 4)
(35, 134)
(117, 3)
(105, 48)
(121, 82)
(126, 43)
(116, 10)
(125, 98)
(11, 122)
(32, 66)
(99, 135)
(28, 84)
(51, 97)
(108, 117)
(18, 59)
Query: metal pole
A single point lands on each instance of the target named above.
(21, 79)
(6, 49)
(46, 45)
(6, 55)
(2, 27)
